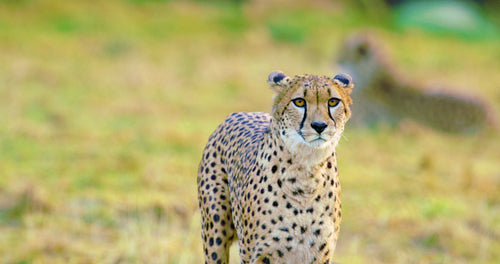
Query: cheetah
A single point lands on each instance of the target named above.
(384, 96)
(270, 181)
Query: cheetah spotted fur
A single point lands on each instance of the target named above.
(270, 181)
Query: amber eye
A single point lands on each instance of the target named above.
(299, 102)
(333, 102)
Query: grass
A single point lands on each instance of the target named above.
(106, 106)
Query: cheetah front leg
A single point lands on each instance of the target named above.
(217, 229)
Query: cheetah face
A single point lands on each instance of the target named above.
(311, 110)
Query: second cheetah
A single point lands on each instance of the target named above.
(384, 96)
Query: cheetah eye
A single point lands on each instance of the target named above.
(299, 102)
(333, 102)
(362, 49)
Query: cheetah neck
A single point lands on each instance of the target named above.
(306, 158)
(308, 170)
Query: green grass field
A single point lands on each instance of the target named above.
(105, 107)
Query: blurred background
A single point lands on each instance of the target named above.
(105, 108)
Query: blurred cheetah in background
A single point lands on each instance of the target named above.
(270, 180)
(381, 95)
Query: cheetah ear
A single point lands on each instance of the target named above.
(278, 81)
(344, 80)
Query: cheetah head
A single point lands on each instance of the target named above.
(311, 110)
(361, 57)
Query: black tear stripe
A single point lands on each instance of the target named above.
(303, 120)
(305, 113)
(330, 114)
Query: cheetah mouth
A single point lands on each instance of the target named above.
(313, 139)
(318, 139)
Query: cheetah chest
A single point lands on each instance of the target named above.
(299, 224)
(300, 234)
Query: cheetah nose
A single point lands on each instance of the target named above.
(319, 126)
